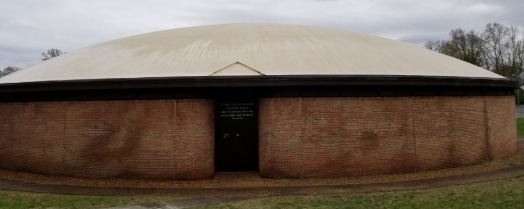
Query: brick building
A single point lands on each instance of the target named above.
(284, 100)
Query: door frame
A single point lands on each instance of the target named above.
(254, 140)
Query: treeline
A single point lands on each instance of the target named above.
(8, 70)
(50, 53)
(499, 48)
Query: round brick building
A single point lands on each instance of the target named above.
(284, 100)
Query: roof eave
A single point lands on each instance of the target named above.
(256, 81)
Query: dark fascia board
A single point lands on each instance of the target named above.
(255, 81)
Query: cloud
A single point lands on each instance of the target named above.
(30, 27)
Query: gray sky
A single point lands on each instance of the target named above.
(30, 27)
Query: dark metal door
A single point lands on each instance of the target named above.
(236, 135)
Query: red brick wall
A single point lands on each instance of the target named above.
(335, 137)
(160, 139)
(298, 137)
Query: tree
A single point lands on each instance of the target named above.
(515, 55)
(498, 48)
(463, 45)
(51, 53)
(437, 46)
(466, 46)
(496, 45)
(9, 70)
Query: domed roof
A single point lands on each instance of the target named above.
(247, 50)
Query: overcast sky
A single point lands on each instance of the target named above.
(30, 27)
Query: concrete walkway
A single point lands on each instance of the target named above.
(520, 111)
(205, 196)
(223, 195)
(300, 187)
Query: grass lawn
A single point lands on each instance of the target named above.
(507, 193)
(520, 127)
(25, 200)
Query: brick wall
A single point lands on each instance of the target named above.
(160, 139)
(298, 137)
(335, 137)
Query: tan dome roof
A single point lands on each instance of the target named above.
(247, 49)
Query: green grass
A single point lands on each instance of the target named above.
(25, 200)
(520, 126)
(497, 194)
(508, 193)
